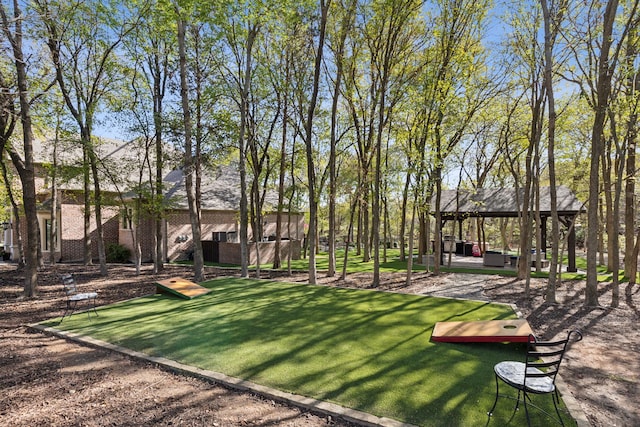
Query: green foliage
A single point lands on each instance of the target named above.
(118, 253)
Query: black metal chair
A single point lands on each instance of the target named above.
(73, 296)
(537, 374)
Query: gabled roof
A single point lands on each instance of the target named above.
(220, 186)
(220, 189)
(502, 202)
(119, 161)
(70, 150)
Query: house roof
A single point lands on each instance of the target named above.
(119, 162)
(502, 202)
(220, 185)
(70, 150)
(220, 189)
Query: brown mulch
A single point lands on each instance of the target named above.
(49, 381)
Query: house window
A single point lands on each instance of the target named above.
(126, 214)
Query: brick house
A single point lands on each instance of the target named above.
(220, 200)
(219, 203)
(68, 245)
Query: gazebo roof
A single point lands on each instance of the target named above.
(502, 202)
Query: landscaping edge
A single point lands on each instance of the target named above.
(302, 402)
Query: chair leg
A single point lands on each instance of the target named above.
(518, 400)
(556, 399)
(66, 310)
(495, 402)
(526, 409)
(69, 309)
(92, 301)
(94, 307)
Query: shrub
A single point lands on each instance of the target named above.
(118, 253)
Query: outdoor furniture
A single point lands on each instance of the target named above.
(73, 296)
(537, 374)
(494, 259)
(544, 263)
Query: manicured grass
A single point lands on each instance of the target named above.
(355, 263)
(393, 265)
(362, 349)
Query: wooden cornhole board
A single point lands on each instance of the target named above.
(517, 330)
(180, 287)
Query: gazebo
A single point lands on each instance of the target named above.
(458, 205)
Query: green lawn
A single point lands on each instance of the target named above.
(393, 265)
(362, 349)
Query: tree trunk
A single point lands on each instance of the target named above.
(614, 254)
(412, 226)
(158, 97)
(344, 30)
(189, 166)
(97, 196)
(86, 214)
(244, 106)
(633, 87)
(603, 88)
(25, 167)
(552, 20)
(403, 216)
(308, 129)
(53, 213)
(277, 263)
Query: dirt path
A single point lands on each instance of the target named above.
(49, 381)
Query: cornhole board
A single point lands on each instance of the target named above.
(516, 330)
(180, 287)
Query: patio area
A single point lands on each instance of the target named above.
(471, 262)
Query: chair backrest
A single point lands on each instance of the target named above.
(69, 284)
(546, 356)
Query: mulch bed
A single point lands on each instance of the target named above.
(49, 381)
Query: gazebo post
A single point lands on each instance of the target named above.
(441, 242)
(543, 232)
(571, 246)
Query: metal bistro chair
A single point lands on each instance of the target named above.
(73, 296)
(537, 374)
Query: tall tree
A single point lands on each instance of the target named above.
(458, 88)
(632, 85)
(620, 111)
(602, 43)
(552, 21)
(527, 57)
(241, 29)
(143, 110)
(345, 16)
(603, 91)
(13, 31)
(309, 141)
(391, 41)
(157, 67)
(83, 39)
(189, 162)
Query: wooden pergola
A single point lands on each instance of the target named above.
(458, 205)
